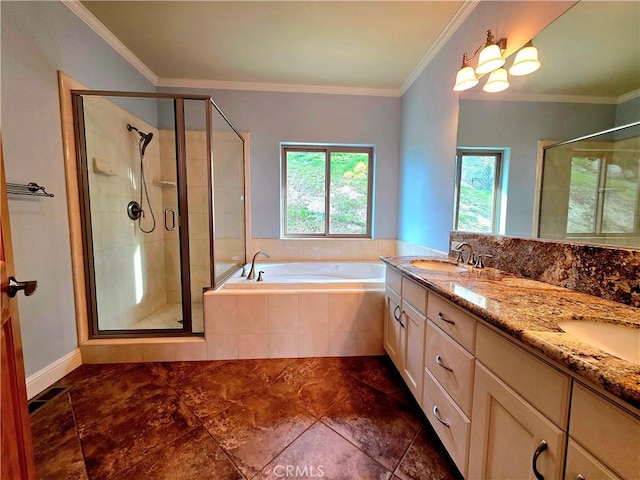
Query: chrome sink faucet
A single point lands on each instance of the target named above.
(252, 271)
(460, 253)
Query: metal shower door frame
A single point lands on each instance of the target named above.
(85, 212)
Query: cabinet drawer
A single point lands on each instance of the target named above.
(415, 294)
(606, 430)
(455, 436)
(581, 462)
(393, 279)
(451, 365)
(546, 388)
(456, 323)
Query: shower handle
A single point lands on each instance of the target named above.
(170, 214)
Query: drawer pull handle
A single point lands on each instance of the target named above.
(400, 319)
(580, 477)
(441, 317)
(395, 311)
(436, 412)
(541, 448)
(439, 362)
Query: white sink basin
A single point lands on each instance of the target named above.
(439, 265)
(619, 340)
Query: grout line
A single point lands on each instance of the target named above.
(75, 427)
(395, 471)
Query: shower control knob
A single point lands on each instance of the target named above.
(15, 286)
(134, 210)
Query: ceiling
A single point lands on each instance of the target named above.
(343, 43)
(592, 50)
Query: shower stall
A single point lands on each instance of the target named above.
(161, 180)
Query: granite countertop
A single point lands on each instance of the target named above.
(528, 309)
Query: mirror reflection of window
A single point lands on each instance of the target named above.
(477, 191)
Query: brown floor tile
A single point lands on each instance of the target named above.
(426, 459)
(116, 390)
(193, 456)
(320, 452)
(316, 383)
(121, 439)
(130, 421)
(212, 390)
(377, 372)
(55, 442)
(257, 428)
(378, 424)
(92, 373)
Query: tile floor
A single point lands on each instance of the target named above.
(334, 418)
(168, 316)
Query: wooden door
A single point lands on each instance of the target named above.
(16, 460)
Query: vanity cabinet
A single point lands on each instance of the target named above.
(519, 414)
(499, 409)
(391, 334)
(609, 435)
(404, 328)
(449, 365)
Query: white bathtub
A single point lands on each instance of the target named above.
(301, 309)
(306, 275)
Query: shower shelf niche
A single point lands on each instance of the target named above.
(164, 183)
(103, 167)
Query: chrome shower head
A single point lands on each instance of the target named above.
(145, 138)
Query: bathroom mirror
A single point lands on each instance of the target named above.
(589, 82)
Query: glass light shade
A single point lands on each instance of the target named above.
(497, 81)
(526, 62)
(490, 59)
(465, 79)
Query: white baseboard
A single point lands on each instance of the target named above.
(50, 374)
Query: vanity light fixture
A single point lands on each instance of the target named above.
(491, 61)
(497, 81)
(526, 61)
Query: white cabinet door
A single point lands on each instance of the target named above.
(581, 465)
(507, 434)
(413, 325)
(392, 326)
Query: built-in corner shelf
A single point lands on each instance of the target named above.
(164, 183)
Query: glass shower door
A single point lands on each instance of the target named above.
(131, 211)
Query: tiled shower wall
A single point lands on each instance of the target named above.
(129, 264)
(606, 272)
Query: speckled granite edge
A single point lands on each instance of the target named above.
(527, 310)
(606, 272)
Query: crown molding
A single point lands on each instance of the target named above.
(461, 15)
(276, 87)
(629, 96)
(103, 32)
(532, 97)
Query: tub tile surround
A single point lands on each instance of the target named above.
(606, 272)
(287, 249)
(527, 310)
(293, 323)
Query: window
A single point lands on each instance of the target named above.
(327, 191)
(477, 202)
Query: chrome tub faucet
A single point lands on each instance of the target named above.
(252, 271)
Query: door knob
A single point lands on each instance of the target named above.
(15, 286)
